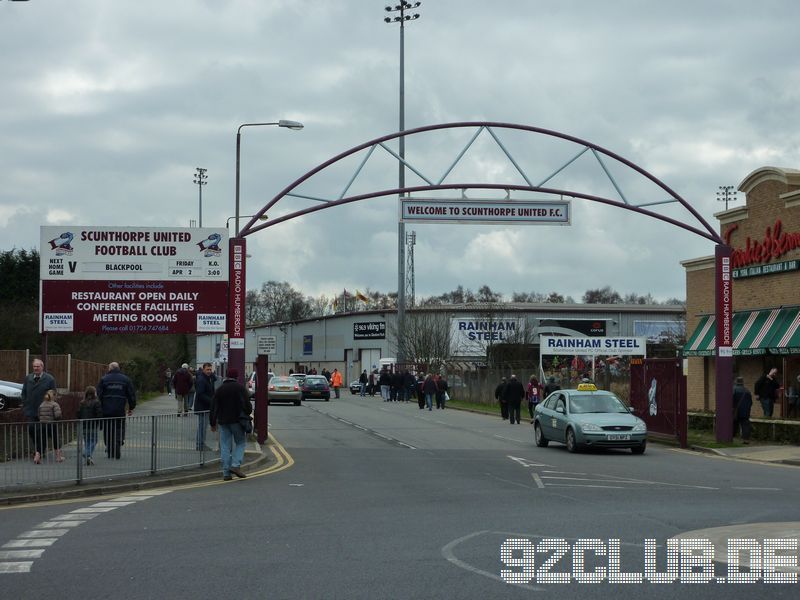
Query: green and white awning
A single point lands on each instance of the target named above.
(754, 332)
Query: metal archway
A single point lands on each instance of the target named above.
(704, 229)
(724, 362)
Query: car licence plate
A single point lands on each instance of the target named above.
(616, 437)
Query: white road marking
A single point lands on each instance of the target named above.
(46, 524)
(527, 463)
(759, 489)
(16, 567)
(36, 540)
(41, 543)
(447, 552)
(43, 533)
(510, 439)
(72, 517)
(6, 554)
(538, 481)
(588, 485)
(132, 498)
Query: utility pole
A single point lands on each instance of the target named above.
(200, 179)
(401, 17)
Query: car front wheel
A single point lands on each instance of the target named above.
(572, 443)
(639, 449)
(541, 441)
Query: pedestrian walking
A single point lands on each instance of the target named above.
(228, 406)
(204, 394)
(499, 395)
(742, 403)
(532, 394)
(363, 379)
(430, 389)
(385, 382)
(116, 393)
(183, 382)
(36, 384)
(336, 381)
(89, 413)
(766, 390)
(441, 391)
(514, 392)
(551, 386)
(49, 415)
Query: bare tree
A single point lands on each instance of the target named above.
(425, 339)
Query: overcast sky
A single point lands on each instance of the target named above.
(108, 107)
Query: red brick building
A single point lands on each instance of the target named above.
(765, 237)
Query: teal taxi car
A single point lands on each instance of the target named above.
(588, 418)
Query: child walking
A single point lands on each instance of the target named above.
(89, 412)
(49, 413)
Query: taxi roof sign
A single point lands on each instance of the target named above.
(587, 387)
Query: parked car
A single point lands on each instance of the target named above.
(588, 417)
(316, 386)
(355, 387)
(251, 382)
(10, 395)
(284, 389)
(301, 377)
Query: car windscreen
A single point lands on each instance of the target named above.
(595, 403)
(311, 380)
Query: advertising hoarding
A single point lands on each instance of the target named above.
(133, 280)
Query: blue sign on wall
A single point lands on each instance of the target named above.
(308, 344)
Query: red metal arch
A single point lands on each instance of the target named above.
(704, 230)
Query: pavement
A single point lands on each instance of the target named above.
(111, 477)
(781, 454)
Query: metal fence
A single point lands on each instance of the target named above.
(100, 449)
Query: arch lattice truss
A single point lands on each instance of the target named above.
(630, 186)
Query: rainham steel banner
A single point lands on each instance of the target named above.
(487, 212)
(133, 280)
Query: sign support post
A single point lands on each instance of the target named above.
(267, 345)
(237, 291)
(723, 365)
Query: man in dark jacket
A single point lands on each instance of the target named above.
(228, 407)
(114, 391)
(767, 388)
(204, 394)
(742, 402)
(183, 382)
(551, 387)
(514, 392)
(499, 395)
(35, 386)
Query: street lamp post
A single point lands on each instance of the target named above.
(200, 179)
(228, 220)
(401, 18)
(237, 291)
(282, 123)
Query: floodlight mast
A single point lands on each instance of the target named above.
(401, 17)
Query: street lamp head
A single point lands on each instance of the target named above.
(290, 124)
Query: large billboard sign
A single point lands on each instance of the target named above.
(488, 212)
(133, 280)
(471, 336)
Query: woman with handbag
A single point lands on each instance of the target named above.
(230, 408)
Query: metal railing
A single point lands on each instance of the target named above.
(80, 451)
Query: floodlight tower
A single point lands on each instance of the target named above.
(726, 193)
(401, 16)
(200, 179)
